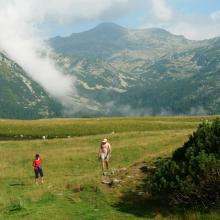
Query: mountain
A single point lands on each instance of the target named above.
(108, 39)
(187, 82)
(120, 71)
(20, 96)
(141, 72)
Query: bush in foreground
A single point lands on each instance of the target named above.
(192, 175)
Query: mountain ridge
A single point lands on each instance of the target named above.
(108, 38)
(121, 72)
(164, 63)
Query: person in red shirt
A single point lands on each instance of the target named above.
(38, 169)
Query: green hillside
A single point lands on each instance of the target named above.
(20, 96)
(141, 72)
(184, 83)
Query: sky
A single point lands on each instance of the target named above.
(195, 19)
(25, 24)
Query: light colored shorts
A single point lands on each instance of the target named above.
(104, 156)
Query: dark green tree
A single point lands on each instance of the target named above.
(192, 175)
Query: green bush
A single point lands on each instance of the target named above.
(192, 175)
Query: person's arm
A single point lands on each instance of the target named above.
(109, 150)
(99, 152)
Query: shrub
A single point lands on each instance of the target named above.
(192, 175)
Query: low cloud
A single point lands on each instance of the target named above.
(196, 29)
(198, 110)
(113, 108)
(21, 32)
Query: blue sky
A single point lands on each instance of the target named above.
(191, 18)
(195, 6)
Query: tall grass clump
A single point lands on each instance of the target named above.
(192, 175)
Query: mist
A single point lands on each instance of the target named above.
(21, 38)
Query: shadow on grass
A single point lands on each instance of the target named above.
(140, 203)
(141, 207)
(17, 184)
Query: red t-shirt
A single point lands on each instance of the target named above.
(37, 163)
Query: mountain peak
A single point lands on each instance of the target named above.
(108, 38)
(109, 26)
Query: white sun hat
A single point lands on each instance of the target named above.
(104, 140)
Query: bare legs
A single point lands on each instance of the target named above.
(104, 164)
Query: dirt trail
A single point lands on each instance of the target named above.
(132, 178)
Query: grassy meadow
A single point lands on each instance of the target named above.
(73, 188)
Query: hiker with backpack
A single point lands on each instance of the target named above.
(104, 154)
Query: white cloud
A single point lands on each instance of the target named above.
(186, 29)
(194, 28)
(20, 36)
(161, 10)
(70, 10)
(215, 16)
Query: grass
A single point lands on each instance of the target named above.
(63, 128)
(72, 188)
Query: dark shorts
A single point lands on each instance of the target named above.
(38, 172)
